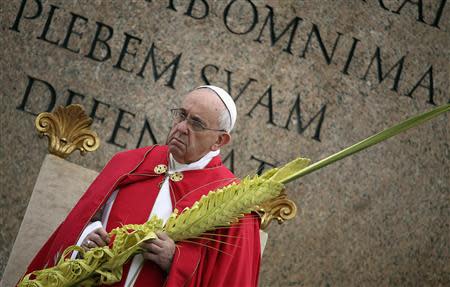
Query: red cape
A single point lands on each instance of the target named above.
(230, 257)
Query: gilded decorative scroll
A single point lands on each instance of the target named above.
(280, 208)
(67, 130)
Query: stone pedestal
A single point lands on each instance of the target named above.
(59, 186)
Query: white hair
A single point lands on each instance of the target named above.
(224, 119)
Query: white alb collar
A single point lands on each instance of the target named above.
(175, 166)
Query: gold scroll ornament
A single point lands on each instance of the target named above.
(280, 208)
(67, 130)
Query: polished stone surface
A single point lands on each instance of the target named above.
(378, 218)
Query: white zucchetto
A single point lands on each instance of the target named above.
(227, 100)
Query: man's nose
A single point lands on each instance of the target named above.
(183, 126)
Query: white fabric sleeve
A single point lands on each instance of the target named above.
(91, 227)
(263, 236)
(108, 206)
(96, 224)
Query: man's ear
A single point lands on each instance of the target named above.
(222, 140)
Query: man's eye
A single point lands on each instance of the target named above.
(197, 124)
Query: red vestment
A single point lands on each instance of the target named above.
(230, 257)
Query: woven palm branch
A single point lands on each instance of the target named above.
(103, 265)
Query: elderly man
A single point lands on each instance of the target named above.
(154, 180)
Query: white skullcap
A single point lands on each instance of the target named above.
(227, 101)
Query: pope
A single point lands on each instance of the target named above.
(154, 180)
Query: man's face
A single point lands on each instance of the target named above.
(187, 145)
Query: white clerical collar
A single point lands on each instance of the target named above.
(175, 166)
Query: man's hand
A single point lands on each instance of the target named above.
(160, 250)
(97, 238)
